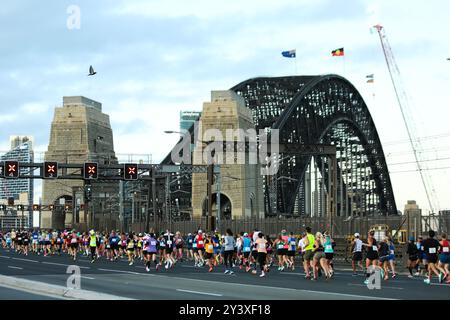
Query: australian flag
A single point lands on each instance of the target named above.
(289, 54)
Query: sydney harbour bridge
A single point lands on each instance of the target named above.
(311, 110)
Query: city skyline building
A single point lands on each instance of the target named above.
(21, 151)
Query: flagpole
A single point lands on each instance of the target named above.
(344, 65)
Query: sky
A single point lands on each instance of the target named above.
(156, 58)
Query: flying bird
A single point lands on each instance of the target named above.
(91, 71)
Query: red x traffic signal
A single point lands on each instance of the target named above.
(11, 169)
(90, 170)
(50, 170)
(130, 171)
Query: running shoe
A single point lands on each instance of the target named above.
(227, 272)
(147, 269)
(394, 276)
(247, 269)
(231, 272)
(210, 269)
(131, 263)
(427, 281)
(262, 274)
(366, 282)
(410, 276)
(440, 277)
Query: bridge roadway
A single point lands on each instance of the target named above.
(186, 282)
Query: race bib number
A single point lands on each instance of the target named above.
(169, 242)
(374, 248)
(153, 243)
(194, 245)
(73, 241)
(262, 246)
(292, 243)
(392, 251)
(432, 250)
(421, 248)
(329, 247)
(200, 242)
(190, 241)
(246, 249)
(210, 247)
(280, 246)
(445, 249)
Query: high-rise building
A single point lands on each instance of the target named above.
(188, 118)
(21, 151)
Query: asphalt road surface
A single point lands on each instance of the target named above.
(185, 281)
(12, 294)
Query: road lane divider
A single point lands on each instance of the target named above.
(51, 289)
(199, 292)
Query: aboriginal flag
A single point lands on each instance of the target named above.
(338, 52)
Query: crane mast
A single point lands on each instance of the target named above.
(402, 99)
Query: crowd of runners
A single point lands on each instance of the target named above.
(248, 252)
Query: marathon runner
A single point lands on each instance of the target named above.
(228, 252)
(131, 244)
(431, 249)
(413, 256)
(383, 253)
(329, 253)
(189, 247)
(93, 240)
(169, 249)
(308, 252)
(209, 252)
(179, 243)
(444, 256)
(152, 245)
(372, 254)
(200, 247)
(391, 257)
(262, 252)
(292, 245)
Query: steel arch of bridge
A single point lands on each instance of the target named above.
(322, 109)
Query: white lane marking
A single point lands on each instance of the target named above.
(120, 271)
(28, 260)
(440, 284)
(5, 257)
(383, 287)
(12, 267)
(64, 265)
(204, 293)
(84, 277)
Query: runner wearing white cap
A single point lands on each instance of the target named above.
(357, 253)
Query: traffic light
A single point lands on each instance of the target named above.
(90, 170)
(36, 207)
(88, 192)
(11, 169)
(50, 170)
(131, 171)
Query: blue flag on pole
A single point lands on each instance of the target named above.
(289, 54)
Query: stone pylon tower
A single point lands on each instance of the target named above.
(80, 132)
(241, 188)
